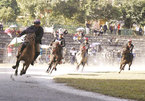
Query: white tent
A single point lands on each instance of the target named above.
(17, 40)
(80, 29)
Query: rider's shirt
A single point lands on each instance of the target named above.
(130, 47)
(60, 40)
(37, 30)
(87, 46)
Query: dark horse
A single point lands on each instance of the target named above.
(27, 55)
(55, 57)
(127, 58)
(81, 58)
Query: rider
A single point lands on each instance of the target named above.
(130, 46)
(86, 44)
(128, 49)
(61, 41)
(38, 30)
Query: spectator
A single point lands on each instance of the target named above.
(88, 27)
(8, 32)
(95, 32)
(119, 29)
(137, 30)
(9, 50)
(1, 27)
(75, 37)
(115, 29)
(101, 30)
(72, 54)
(111, 28)
(140, 30)
(105, 28)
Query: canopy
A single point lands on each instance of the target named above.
(80, 29)
(16, 40)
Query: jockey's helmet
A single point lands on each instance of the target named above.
(37, 22)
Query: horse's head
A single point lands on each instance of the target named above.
(30, 38)
(56, 47)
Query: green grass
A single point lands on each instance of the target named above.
(129, 89)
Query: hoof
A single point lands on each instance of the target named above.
(32, 63)
(55, 69)
(22, 73)
(47, 71)
(14, 67)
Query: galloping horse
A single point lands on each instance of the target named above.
(81, 57)
(55, 57)
(27, 55)
(127, 58)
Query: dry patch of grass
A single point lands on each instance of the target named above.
(129, 89)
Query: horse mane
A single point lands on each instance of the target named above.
(30, 37)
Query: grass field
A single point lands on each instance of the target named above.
(123, 87)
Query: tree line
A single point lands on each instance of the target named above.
(70, 12)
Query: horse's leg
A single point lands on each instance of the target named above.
(122, 67)
(83, 66)
(129, 65)
(16, 67)
(17, 64)
(49, 67)
(25, 69)
(78, 65)
(54, 67)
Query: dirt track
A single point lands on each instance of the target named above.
(37, 85)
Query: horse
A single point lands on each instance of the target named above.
(55, 57)
(27, 54)
(127, 58)
(81, 58)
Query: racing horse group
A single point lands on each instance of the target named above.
(56, 56)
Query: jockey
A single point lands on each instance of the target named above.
(130, 46)
(60, 39)
(38, 30)
(86, 44)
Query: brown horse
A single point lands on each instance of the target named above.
(55, 57)
(127, 58)
(81, 58)
(27, 55)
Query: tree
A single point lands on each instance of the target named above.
(34, 10)
(133, 12)
(103, 10)
(9, 10)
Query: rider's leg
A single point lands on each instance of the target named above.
(37, 52)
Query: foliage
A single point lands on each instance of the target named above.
(72, 11)
(9, 10)
(133, 12)
(104, 10)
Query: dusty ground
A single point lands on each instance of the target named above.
(37, 85)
